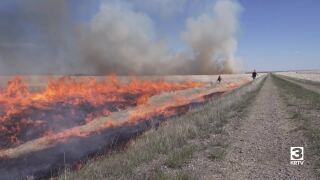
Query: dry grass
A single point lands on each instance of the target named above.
(172, 143)
(178, 157)
(42, 80)
(179, 175)
(304, 106)
(303, 75)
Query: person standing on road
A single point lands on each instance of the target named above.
(254, 74)
(219, 79)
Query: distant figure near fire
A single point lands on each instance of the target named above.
(219, 79)
(254, 74)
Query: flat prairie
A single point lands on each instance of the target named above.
(244, 134)
(158, 107)
(305, 75)
(41, 80)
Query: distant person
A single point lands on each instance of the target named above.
(254, 74)
(219, 79)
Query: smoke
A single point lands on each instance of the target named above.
(40, 36)
(35, 36)
(164, 8)
(212, 38)
(119, 40)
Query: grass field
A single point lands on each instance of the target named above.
(166, 153)
(244, 134)
(102, 131)
(304, 75)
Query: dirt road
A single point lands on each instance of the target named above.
(259, 148)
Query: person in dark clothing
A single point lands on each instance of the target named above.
(254, 74)
(219, 79)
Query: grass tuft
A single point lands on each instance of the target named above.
(178, 158)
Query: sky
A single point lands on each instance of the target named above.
(280, 34)
(271, 34)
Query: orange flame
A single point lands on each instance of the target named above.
(18, 104)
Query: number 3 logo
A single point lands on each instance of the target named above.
(298, 153)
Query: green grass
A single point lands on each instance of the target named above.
(172, 140)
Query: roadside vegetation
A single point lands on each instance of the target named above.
(163, 153)
(304, 105)
(304, 83)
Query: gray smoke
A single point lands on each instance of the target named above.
(40, 37)
(212, 39)
(119, 40)
(35, 36)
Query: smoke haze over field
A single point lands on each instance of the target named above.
(41, 36)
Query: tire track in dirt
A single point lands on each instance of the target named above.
(260, 146)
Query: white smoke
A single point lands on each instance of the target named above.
(121, 39)
(212, 38)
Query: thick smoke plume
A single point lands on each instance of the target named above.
(40, 37)
(35, 36)
(212, 39)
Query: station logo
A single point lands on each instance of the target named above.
(296, 155)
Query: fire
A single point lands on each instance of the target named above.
(68, 102)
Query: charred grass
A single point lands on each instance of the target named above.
(304, 105)
(163, 153)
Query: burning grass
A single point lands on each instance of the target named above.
(102, 134)
(171, 142)
(65, 103)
